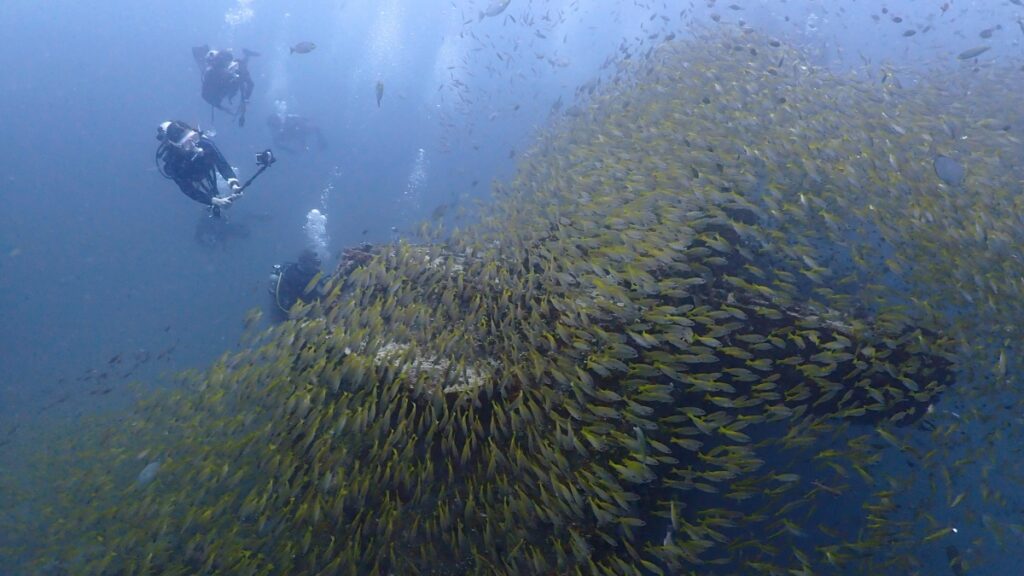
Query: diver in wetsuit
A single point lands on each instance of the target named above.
(225, 78)
(191, 159)
(295, 281)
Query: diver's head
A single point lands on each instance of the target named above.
(309, 261)
(218, 58)
(161, 130)
(178, 134)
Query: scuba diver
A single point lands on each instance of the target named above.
(225, 77)
(191, 159)
(295, 281)
(290, 131)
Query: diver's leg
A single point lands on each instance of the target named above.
(247, 86)
(245, 89)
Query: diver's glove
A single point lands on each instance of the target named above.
(234, 185)
(219, 202)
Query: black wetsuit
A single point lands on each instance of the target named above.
(291, 286)
(196, 173)
(225, 81)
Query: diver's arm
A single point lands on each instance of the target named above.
(320, 289)
(225, 169)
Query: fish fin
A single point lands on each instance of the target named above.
(248, 52)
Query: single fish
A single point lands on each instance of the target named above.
(987, 32)
(949, 170)
(494, 8)
(440, 211)
(148, 473)
(380, 92)
(303, 48)
(973, 52)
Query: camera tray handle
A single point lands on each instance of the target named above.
(265, 160)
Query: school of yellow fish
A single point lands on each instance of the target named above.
(727, 297)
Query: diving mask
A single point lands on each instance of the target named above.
(188, 142)
(178, 134)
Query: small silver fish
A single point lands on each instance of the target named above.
(380, 92)
(494, 8)
(988, 32)
(148, 473)
(973, 52)
(302, 48)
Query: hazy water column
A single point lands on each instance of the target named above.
(411, 195)
(278, 91)
(240, 13)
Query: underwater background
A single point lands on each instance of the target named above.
(583, 362)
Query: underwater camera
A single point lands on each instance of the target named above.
(265, 159)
